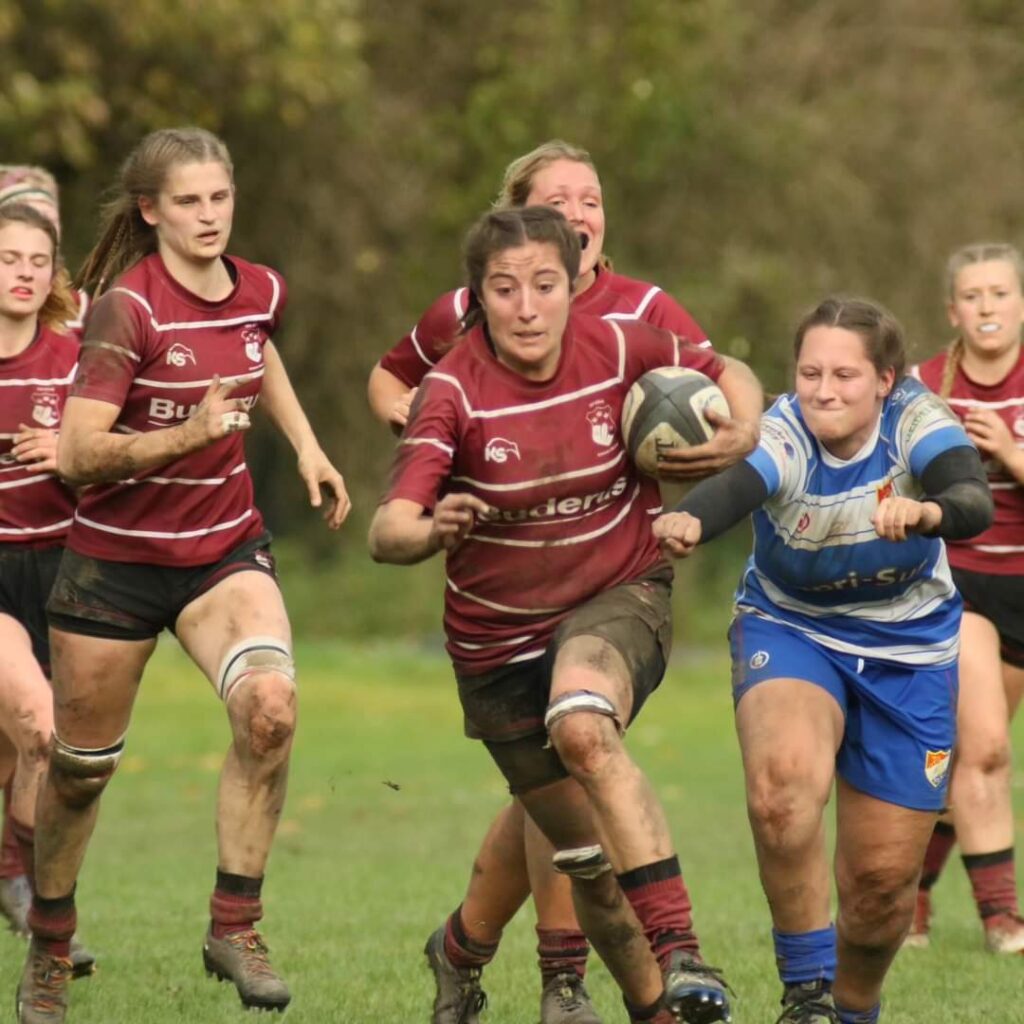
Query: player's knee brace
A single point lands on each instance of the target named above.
(580, 700)
(253, 655)
(81, 773)
(586, 862)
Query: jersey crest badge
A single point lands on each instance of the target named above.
(883, 491)
(253, 339)
(45, 407)
(936, 766)
(759, 660)
(602, 424)
(180, 355)
(500, 449)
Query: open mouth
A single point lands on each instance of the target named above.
(584, 241)
(989, 328)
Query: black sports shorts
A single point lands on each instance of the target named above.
(134, 601)
(505, 707)
(27, 573)
(1000, 599)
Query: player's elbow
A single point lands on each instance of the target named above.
(380, 539)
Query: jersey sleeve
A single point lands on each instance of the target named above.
(433, 336)
(278, 306)
(781, 456)
(925, 427)
(113, 348)
(426, 452)
(665, 312)
(648, 347)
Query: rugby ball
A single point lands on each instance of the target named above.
(665, 409)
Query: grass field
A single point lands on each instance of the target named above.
(386, 806)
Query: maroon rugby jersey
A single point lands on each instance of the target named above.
(574, 515)
(611, 296)
(1000, 549)
(151, 348)
(34, 507)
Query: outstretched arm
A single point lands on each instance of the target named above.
(401, 533)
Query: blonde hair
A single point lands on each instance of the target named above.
(60, 305)
(125, 237)
(978, 252)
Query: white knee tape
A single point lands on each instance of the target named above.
(254, 654)
(580, 700)
(85, 762)
(582, 862)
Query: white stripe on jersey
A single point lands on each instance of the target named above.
(12, 532)
(44, 382)
(977, 403)
(38, 478)
(574, 474)
(211, 481)
(999, 549)
(162, 535)
(497, 643)
(195, 325)
(419, 351)
(638, 313)
(564, 541)
(446, 448)
(504, 607)
(166, 385)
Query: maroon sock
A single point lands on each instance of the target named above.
(53, 922)
(235, 905)
(940, 846)
(25, 837)
(561, 950)
(461, 948)
(10, 855)
(658, 895)
(994, 882)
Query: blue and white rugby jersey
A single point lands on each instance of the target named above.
(818, 565)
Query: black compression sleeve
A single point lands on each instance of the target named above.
(723, 500)
(956, 482)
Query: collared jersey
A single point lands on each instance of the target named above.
(152, 348)
(573, 515)
(818, 564)
(34, 507)
(1000, 549)
(611, 296)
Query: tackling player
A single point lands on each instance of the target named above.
(557, 607)
(844, 645)
(981, 375)
(176, 351)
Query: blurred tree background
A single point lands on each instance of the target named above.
(755, 155)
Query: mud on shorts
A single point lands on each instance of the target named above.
(27, 573)
(134, 601)
(505, 707)
(1000, 599)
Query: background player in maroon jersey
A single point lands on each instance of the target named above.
(981, 375)
(37, 359)
(506, 868)
(175, 351)
(557, 605)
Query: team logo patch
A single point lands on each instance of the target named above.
(45, 407)
(883, 491)
(602, 423)
(936, 766)
(263, 559)
(180, 355)
(759, 659)
(253, 338)
(500, 449)
(804, 522)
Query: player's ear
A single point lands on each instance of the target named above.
(147, 209)
(886, 381)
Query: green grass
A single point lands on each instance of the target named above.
(363, 871)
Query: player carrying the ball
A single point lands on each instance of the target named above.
(557, 605)
(844, 645)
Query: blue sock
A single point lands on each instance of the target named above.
(859, 1016)
(806, 956)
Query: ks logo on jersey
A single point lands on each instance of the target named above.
(180, 355)
(253, 338)
(45, 407)
(499, 449)
(602, 423)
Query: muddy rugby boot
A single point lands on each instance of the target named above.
(241, 957)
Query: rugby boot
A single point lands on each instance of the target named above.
(15, 899)
(917, 937)
(564, 1000)
(42, 996)
(83, 963)
(241, 957)
(695, 992)
(808, 1003)
(459, 998)
(1004, 933)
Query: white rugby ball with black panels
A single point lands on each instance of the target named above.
(665, 409)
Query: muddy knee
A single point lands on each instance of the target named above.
(80, 774)
(584, 728)
(257, 682)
